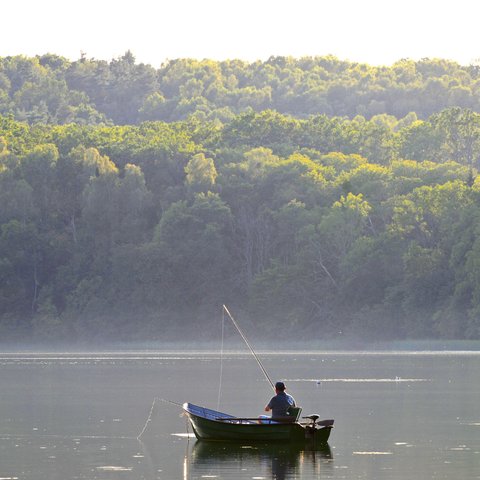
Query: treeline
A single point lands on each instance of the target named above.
(318, 227)
(53, 90)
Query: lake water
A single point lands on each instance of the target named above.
(397, 416)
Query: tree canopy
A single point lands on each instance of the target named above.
(303, 192)
(51, 89)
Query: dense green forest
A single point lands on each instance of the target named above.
(51, 89)
(316, 197)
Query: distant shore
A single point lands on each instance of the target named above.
(262, 347)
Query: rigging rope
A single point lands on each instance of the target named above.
(248, 345)
(221, 361)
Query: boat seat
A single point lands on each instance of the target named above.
(294, 413)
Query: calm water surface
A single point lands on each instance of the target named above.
(397, 416)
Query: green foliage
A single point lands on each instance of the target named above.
(200, 172)
(318, 195)
(194, 239)
(52, 89)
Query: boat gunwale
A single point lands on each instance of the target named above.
(231, 419)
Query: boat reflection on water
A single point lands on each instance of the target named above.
(281, 462)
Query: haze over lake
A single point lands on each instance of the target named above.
(401, 415)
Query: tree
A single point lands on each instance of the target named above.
(346, 220)
(266, 129)
(420, 141)
(38, 169)
(134, 203)
(129, 85)
(460, 129)
(100, 208)
(196, 240)
(21, 260)
(201, 173)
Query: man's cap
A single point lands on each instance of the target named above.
(280, 386)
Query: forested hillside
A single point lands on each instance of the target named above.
(311, 195)
(51, 89)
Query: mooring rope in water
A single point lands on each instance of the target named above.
(101, 437)
(148, 419)
(249, 346)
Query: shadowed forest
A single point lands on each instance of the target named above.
(318, 198)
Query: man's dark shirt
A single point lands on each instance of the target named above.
(279, 404)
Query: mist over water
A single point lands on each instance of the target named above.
(77, 415)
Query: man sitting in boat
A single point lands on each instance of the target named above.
(279, 404)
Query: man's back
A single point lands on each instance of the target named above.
(280, 403)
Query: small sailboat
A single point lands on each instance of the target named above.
(213, 425)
